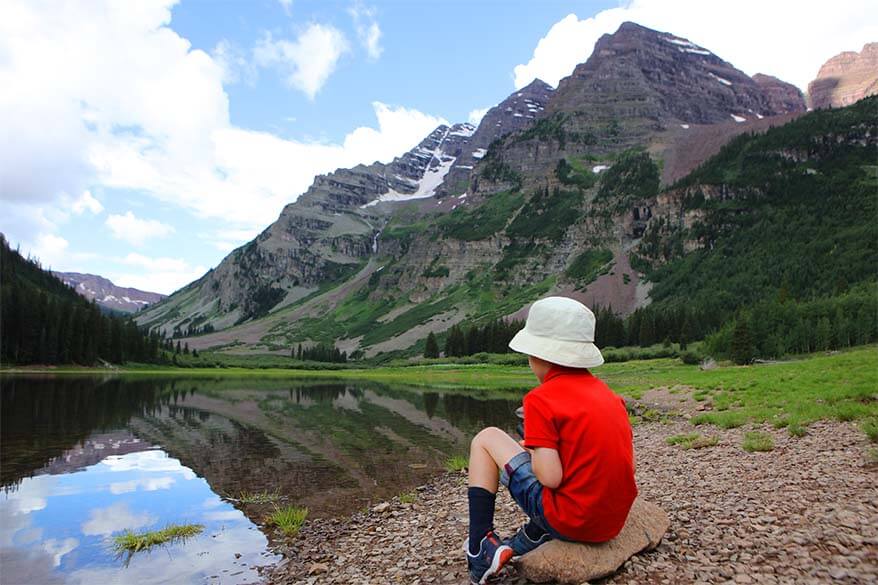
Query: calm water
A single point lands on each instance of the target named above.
(84, 459)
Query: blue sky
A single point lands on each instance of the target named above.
(150, 138)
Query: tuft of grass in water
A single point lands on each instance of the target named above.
(289, 519)
(870, 427)
(131, 542)
(263, 497)
(457, 463)
(757, 441)
(408, 498)
(692, 441)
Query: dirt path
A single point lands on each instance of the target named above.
(806, 512)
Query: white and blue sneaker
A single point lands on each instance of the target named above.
(493, 555)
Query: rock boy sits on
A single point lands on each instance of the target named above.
(573, 474)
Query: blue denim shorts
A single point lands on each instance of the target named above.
(518, 476)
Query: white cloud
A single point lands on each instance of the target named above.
(287, 6)
(115, 518)
(147, 461)
(136, 231)
(51, 250)
(233, 62)
(307, 62)
(785, 38)
(131, 106)
(87, 202)
(58, 548)
(368, 31)
(148, 484)
(162, 275)
(475, 116)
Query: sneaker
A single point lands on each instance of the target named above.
(521, 543)
(493, 555)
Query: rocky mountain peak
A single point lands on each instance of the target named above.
(660, 77)
(846, 78)
(517, 112)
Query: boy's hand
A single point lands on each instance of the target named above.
(531, 451)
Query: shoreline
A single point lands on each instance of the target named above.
(805, 512)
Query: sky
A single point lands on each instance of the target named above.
(143, 141)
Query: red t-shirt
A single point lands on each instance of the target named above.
(578, 415)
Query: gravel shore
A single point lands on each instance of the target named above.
(806, 512)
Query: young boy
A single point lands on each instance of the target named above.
(573, 474)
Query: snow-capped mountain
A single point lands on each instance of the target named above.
(107, 294)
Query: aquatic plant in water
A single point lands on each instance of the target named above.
(131, 542)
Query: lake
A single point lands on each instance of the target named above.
(83, 459)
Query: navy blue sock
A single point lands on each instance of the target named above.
(481, 516)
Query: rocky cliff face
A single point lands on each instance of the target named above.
(515, 113)
(846, 78)
(783, 97)
(107, 294)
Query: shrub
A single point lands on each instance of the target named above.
(690, 358)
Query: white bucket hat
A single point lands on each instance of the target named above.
(561, 331)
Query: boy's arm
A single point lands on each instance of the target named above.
(541, 439)
(546, 464)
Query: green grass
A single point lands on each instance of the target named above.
(870, 427)
(408, 498)
(468, 224)
(457, 463)
(587, 266)
(289, 519)
(797, 430)
(692, 441)
(131, 542)
(757, 441)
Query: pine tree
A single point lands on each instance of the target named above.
(742, 344)
(431, 348)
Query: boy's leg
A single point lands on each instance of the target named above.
(491, 449)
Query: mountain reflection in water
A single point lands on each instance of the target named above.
(86, 458)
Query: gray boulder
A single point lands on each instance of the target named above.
(569, 562)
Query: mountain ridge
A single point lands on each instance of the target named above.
(107, 294)
(534, 214)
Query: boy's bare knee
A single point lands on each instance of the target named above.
(486, 435)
